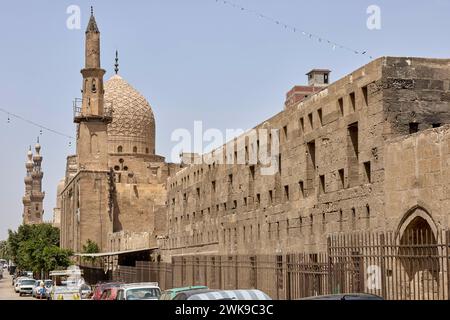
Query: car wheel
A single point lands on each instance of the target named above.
(20, 294)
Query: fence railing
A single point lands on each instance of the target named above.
(78, 111)
(413, 267)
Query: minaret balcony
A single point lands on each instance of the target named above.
(37, 196)
(80, 115)
(37, 175)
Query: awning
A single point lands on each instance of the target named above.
(112, 253)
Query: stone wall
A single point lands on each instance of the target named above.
(234, 209)
(418, 176)
(126, 240)
(85, 210)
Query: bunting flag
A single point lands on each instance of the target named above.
(333, 45)
(41, 127)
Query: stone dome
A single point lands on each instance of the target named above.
(132, 129)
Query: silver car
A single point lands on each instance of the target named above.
(85, 291)
(139, 291)
(26, 286)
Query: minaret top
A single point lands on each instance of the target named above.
(37, 146)
(29, 163)
(92, 25)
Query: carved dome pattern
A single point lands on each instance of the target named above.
(132, 114)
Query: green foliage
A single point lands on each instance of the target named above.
(36, 248)
(90, 247)
(4, 251)
(56, 258)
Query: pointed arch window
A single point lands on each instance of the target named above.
(119, 149)
(134, 149)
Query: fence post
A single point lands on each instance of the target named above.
(288, 277)
(236, 275)
(330, 266)
(447, 236)
(383, 265)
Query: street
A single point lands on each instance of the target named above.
(7, 290)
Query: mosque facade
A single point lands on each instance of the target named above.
(369, 152)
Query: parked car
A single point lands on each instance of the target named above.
(17, 282)
(346, 296)
(65, 293)
(171, 293)
(100, 287)
(86, 291)
(37, 286)
(222, 295)
(139, 291)
(48, 284)
(109, 293)
(26, 286)
(3, 265)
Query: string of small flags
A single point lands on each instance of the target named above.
(41, 127)
(333, 45)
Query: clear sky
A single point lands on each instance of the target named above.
(192, 59)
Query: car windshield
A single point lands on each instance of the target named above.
(27, 282)
(48, 283)
(143, 293)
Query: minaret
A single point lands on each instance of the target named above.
(34, 197)
(93, 117)
(28, 187)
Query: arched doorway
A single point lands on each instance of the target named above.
(418, 254)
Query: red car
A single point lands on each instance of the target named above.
(109, 293)
(101, 287)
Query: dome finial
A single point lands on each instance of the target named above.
(92, 10)
(116, 65)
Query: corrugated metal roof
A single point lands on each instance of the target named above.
(112, 253)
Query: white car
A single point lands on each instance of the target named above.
(26, 286)
(139, 291)
(17, 282)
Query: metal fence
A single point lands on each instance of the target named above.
(413, 267)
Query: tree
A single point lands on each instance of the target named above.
(55, 257)
(4, 252)
(90, 247)
(36, 248)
